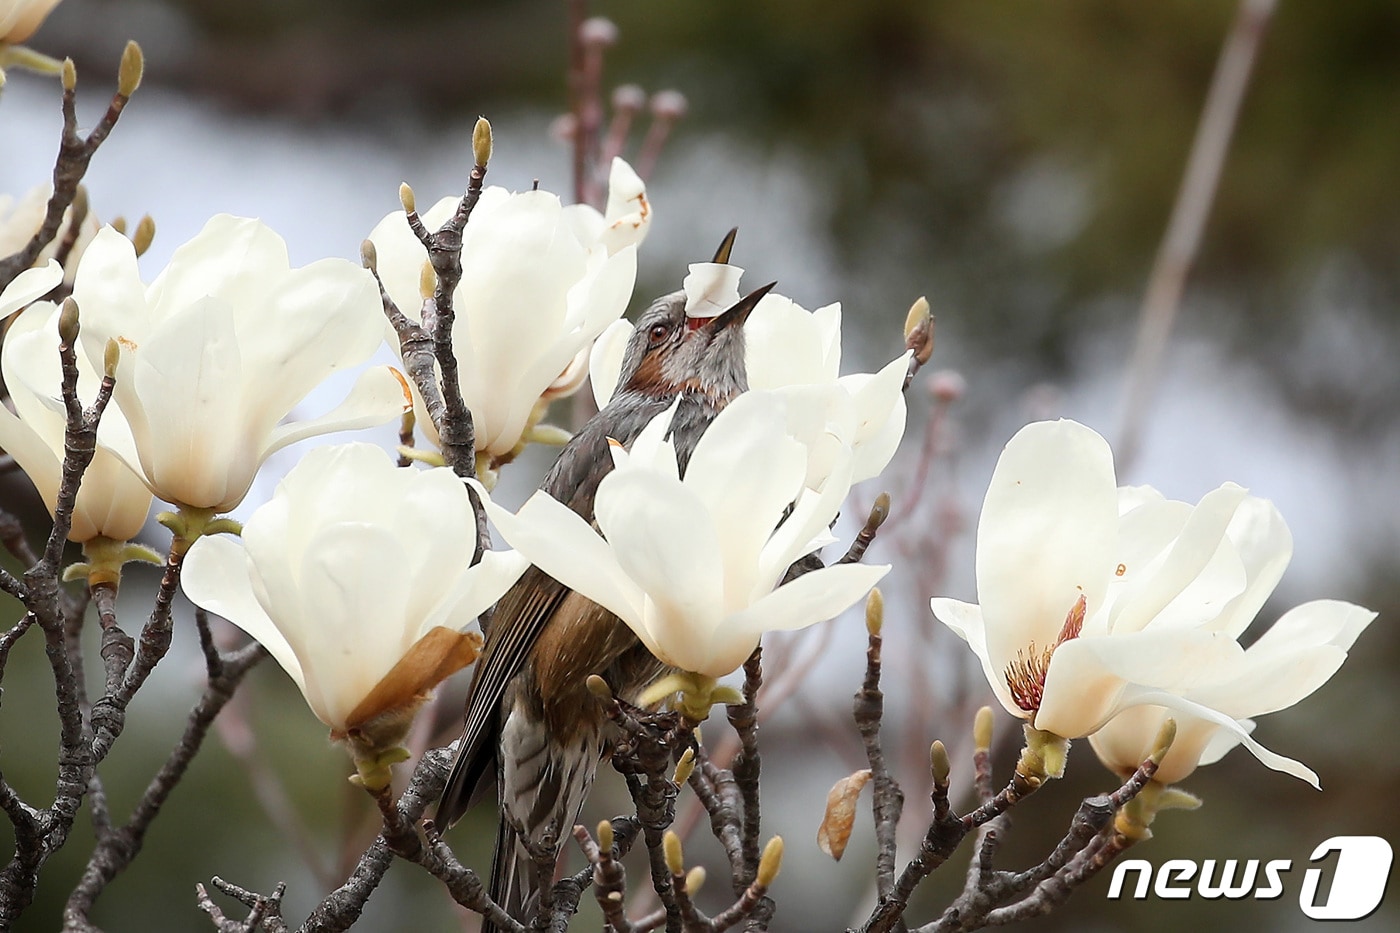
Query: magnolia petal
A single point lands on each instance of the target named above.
(605, 360)
(110, 295)
(21, 20)
(881, 414)
(585, 222)
(476, 588)
(427, 501)
(596, 301)
(184, 413)
(1264, 544)
(1131, 497)
(1238, 730)
(1198, 549)
(746, 471)
(1267, 683)
(1148, 525)
(965, 619)
(628, 209)
(1125, 740)
(377, 397)
(711, 288)
(353, 587)
(113, 500)
(571, 379)
(784, 345)
(439, 654)
(1128, 739)
(1222, 742)
(813, 597)
(215, 577)
(806, 528)
(29, 286)
(1046, 535)
(1088, 677)
(1298, 654)
(822, 418)
(237, 259)
(828, 321)
(1321, 621)
(638, 512)
(555, 539)
(653, 449)
(34, 456)
(326, 317)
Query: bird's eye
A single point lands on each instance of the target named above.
(658, 331)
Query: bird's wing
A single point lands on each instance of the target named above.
(520, 617)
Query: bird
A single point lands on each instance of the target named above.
(530, 719)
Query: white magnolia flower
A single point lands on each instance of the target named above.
(691, 565)
(218, 350)
(792, 351)
(628, 217)
(539, 282)
(19, 18)
(787, 346)
(20, 220)
(346, 578)
(1094, 601)
(112, 500)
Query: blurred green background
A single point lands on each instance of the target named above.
(1016, 162)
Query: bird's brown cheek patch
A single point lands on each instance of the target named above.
(649, 376)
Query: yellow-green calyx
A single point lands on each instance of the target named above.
(692, 694)
(1044, 756)
(376, 772)
(377, 745)
(105, 558)
(21, 56)
(189, 524)
(1134, 820)
(429, 457)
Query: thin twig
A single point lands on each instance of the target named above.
(74, 154)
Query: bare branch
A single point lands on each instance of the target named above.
(74, 154)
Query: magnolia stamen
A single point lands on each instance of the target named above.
(1025, 676)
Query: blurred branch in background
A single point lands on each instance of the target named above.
(1182, 239)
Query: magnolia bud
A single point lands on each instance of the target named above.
(1165, 737)
(671, 848)
(129, 73)
(874, 612)
(771, 862)
(982, 729)
(605, 835)
(481, 141)
(68, 322)
(144, 235)
(940, 765)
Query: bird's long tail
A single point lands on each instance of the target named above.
(515, 882)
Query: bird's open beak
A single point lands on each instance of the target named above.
(726, 246)
(738, 313)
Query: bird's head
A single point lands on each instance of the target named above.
(670, 353)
